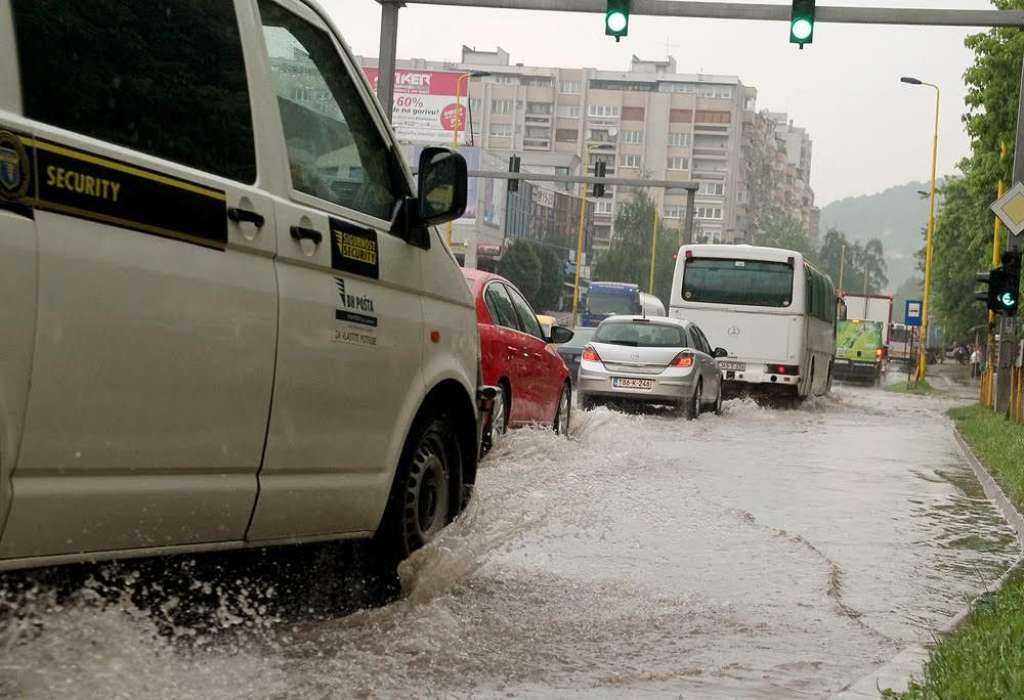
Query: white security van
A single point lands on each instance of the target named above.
(226, 317)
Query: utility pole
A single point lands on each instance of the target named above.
(842, 266)
(1008, 324)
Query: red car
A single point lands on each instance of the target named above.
(519, 358)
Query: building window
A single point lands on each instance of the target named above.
(501, 106)
(633, 114)
(713, 116)
(538, 108)
(535, 81)
(714, 213)
(567, 135)
(680, 116)
(712, 188)
(506, 79)
(679, 138)
(570, 87)
(633, 136)
(603, 110)
(604, 206)
(569, 111)
(630, 160)
(504, 130)
(724, 92)
(707, 90)
(538, 132)
(675, 212)
(678, 163)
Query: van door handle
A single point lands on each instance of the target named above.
(310, 234)
(239, 215)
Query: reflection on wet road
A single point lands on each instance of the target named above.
(765, 553)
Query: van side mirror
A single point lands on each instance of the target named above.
(560, 334)
(721, 352)
(443, 182)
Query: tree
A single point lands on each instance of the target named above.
(860, 259)
(521, 266)
(629, 257)
(963, 234)
(783, 230)
(551, 276)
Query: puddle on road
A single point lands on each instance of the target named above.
(764, 553)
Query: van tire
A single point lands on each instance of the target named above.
(423, 497)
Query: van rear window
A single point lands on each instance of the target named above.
(739, 282)
(165, 77)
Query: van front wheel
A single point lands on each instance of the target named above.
(422, 501)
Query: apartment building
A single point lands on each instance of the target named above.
(776, 171)
(649, 121)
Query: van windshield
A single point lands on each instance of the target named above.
(741, 282)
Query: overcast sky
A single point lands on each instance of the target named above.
(869, 131)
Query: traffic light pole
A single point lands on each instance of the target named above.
(1008, 326)
(674, 8)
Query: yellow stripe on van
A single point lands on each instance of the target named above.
(130, 170)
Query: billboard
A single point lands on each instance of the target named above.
(424, 108)
(858, 340)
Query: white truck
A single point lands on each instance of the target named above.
(872, 307)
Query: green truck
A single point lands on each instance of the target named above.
(859, 351)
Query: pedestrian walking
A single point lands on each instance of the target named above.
(975, 363)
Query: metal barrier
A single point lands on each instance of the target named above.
(986, 388)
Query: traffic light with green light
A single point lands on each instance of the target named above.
(616, 18)
(1007, 293)
(801, 22)
(1003, 293)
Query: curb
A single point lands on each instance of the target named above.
(900, 670)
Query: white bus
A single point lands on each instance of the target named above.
(772, 311)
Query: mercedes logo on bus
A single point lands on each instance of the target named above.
(733, 331)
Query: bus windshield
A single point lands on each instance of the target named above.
(742, 282)
(607, 301)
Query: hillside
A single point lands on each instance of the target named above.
(897, 216)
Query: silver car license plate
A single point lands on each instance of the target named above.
(628, 383)
(732, 366)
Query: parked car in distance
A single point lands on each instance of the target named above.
(652, 361)
(517, 356)
(572, 350)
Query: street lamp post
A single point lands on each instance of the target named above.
(458, 118)
(922, 357)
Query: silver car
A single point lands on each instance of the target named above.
(653, 360)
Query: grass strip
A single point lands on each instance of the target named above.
(921, 388)
(984, 657)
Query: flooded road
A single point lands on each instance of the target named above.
(764, 553)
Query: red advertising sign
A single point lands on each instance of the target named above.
(424, 110)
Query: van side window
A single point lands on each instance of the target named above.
(167, 78)
(335, 151)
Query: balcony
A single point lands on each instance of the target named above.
(717, 153)
(537, 144)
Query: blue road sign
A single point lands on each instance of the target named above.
(912, 312)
